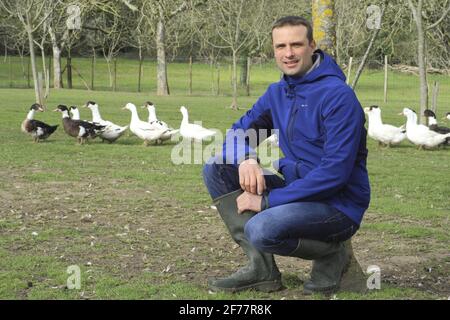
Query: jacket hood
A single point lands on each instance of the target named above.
(327, 68)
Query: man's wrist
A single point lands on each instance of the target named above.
(250, 156)
(264, 201)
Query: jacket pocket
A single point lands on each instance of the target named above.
(288, 168)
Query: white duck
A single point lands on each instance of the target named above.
(142, 129)
(420, 134)
(158, 123)
(75, 113)
(191, 130)
(383, 133)
(112, 131)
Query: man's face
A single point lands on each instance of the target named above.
(292, 49)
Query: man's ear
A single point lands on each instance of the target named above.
(312, 44)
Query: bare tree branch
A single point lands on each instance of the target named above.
(440, 19)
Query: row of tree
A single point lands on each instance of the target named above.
(412, 31)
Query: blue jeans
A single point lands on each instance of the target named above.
(278, 229)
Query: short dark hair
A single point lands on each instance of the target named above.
(295, 21)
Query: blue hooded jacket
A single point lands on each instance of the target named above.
(322, 136)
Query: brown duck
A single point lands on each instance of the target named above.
(37, 129)
(80, 129)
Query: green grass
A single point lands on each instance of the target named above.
(149, 214)
(14, 74)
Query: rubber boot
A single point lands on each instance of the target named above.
(329, 261)
(353, 279)
(334, 267)
(261, 273)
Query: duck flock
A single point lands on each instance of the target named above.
(424, 137)
(156, 131)
(151, 131)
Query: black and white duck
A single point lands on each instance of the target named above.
(75, 113)
(420, 134)
(158, 124)
(142, 129)
(80, 129)
(385, 134)
(112, 131)
(37, 129)
(447, 116)
(433, 124)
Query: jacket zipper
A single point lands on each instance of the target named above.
(290, 127)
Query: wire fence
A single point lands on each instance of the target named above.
(187, 76)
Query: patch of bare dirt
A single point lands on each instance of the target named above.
(128, 232)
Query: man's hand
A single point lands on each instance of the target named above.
(251, 177)
(249, 201)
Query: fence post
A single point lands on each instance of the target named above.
(69, 72)
(92, 68)
(249, 61)
(211, 68)
(385, 77)
(140, 72)
(218, 79)
(49, 68)
(190, 76)
(435, 95)
(10, 72)
(349, 71)
(40, 80)
(115, 75)
(28, 73)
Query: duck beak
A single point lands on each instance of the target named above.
(124, 108)
(143, 107)
(400, 114)
(56, 110)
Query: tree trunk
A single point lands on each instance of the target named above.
(162, 84)
(108, 64)
(324, 25)
(33, 59)
(57, 80)
(57, 49)
(417, 14)
(422, 69)
(44, 67)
